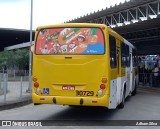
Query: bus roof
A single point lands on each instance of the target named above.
(71, 25)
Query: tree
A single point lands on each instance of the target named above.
(18, 58)
(22, 58)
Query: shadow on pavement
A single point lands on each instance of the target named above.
(83, 113)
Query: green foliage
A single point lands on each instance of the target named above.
(18, 58)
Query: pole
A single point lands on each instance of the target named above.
(14, 74)
(30, 53)
(21, 87)
(5, 87)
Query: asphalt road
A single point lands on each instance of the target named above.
(144, 106)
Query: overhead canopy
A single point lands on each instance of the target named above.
(9, 37)
(144, 35)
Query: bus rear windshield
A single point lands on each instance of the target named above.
(58, 41)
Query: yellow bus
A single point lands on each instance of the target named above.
(82, 64)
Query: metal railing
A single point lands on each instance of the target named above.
(148, 79)
(13, 85)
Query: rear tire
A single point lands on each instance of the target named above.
(74, 106)
(135, 90)
(121, 105)
(36, 104)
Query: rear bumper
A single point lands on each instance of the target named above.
(63, 100)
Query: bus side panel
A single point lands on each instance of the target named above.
(120, 87)
(113, 89)
(113, 92)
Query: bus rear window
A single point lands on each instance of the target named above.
(57, 41)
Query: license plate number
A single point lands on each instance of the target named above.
(84, 93)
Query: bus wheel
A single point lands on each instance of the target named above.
(121, 105)
(134, 91)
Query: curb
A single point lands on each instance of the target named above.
(149, 88)
(9, 105)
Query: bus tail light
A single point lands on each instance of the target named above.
(38, 90)
(32, 48)
(100, 92)
(103, 28)
(37, 29)
(102, 86)
(36, 84)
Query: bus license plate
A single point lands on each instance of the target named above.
(84, 93)
(68, 88)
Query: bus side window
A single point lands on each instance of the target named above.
(128, 56)
(125, 59)
(113, 54)
(134, 57)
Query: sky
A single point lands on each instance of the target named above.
(16, 13)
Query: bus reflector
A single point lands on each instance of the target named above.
(102, 86)
(34, 79)
(36, 84)
(94, 101)
(104, 80)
